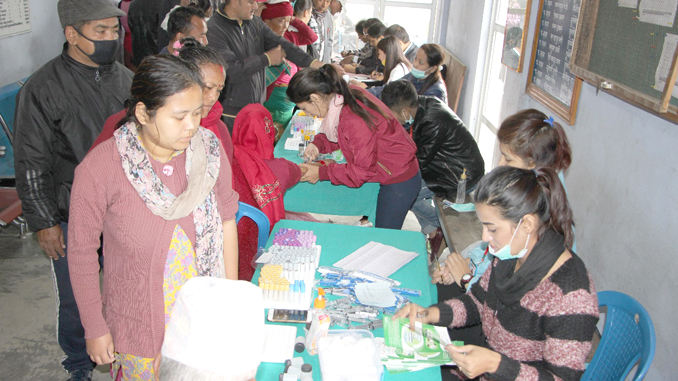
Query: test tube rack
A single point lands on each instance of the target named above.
(287, 279)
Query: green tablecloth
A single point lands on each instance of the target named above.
(338, 241)
(323, 197)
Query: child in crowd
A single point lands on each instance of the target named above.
(374, 144)
(536, 303)
(160, 193)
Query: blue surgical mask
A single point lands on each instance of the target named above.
(505, 252)
(418, 74)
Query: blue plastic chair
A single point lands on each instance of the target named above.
(259, 218)
(628, 337)
(7, 105)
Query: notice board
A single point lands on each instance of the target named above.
(628, 49)
(550, 81)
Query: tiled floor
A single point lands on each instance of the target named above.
(28, 347)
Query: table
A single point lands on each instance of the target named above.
(459, 229)
(324, 197)
(332, 239)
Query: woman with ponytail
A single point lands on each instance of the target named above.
(375, 145)
(537, 303)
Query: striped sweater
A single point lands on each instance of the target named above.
(546, 336)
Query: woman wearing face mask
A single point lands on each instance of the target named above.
(527, 139)
(537, 302)
(160, 192)
(425, 74)
(376, 147)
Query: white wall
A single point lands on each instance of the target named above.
(21, 55)
(622, 185)
(465, 33)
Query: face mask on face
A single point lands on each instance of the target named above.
(104, 51)
(418, 74)
(505, 252)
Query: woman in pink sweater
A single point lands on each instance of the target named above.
(160, 193)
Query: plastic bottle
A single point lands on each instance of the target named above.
(320, 323)
(461, 189)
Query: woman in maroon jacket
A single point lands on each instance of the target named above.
(375, 145)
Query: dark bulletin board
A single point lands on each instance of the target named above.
(615, 48)
(550, 81)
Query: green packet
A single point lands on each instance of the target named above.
(426, 343)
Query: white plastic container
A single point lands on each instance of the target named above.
(350, 355)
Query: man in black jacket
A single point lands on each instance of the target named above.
(444, 149)
(248, 46)
(60, 111)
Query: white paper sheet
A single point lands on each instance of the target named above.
(377, 258)
(658, 12)
(278, 342)
(665, 61)
(628, 3)
(292, 144)
(377, 294)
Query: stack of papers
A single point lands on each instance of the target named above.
(407, 351)
(377, 258)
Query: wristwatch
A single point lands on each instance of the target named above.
(464, 281)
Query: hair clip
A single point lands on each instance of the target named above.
(549, 121)
(535, 172)
(177, 46)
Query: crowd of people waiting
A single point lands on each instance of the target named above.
(133, 167)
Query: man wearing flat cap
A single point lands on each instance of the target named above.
(60, 111)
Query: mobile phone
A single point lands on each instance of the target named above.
(288, 316)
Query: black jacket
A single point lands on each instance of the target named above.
(444, 148)
(142, 18)
(243, 47)
(60, 111)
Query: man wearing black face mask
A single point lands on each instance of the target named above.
(60, 111)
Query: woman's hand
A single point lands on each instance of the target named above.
(440, 276)
(416, 312)
(377, 76)
(311, 152)
(349, 68)
(473, 360)
(101, 349)
(310, 172)
(457, 266)
(353, 82)
(345, 53)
